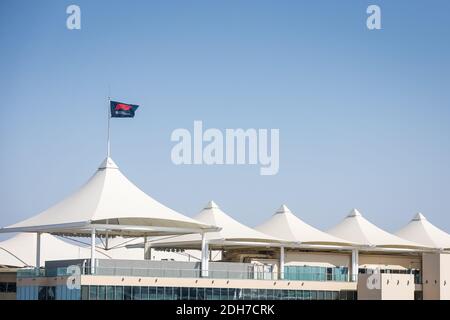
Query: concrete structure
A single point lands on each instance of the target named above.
(436, 276)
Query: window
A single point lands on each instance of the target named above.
(192, 293)
(224, 294)
(101, 293)
(168, 293)
(119, 293)
(127, 293)
(209, 294)
(84, 292)
(136, 293)
(200, 293)
(184, 293)
(109, 293)
(216, 294)
(152, 293)
(93, 292)
(144, 293)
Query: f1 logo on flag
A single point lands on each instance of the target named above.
(122, 110)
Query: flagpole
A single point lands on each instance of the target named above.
(108, 152)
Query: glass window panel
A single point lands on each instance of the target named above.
(224, 294)
(184, 293)
(292, 294)
(101, 293)
(93, 292)
(110, 293)
(320, 295)
(313, 295)
(160, 293)
(262, 294)
(84, 293)
(192, 293)
(152, 293)
(209, 294)
(127, 293)
(144, 293)
(136, 293)
(201, 294)
(176, 293)
(119, 293)
(168, 293)
(277, 294)
(216, 294)
(269, 294)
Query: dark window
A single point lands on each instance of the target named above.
(152, 293)
(119, 293)
(127, 293)
(144, 293)
(209, 294)
(136, 293)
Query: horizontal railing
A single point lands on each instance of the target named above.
(181, 273)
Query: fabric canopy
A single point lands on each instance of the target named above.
(113, 205)
(20, 250)
(357, 229)
(284, 224)
(232, 232)
(420, 230)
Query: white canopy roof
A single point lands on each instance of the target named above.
(420, 230)
(232, 232)
(284, 224)
(113, 204)
(357, 229)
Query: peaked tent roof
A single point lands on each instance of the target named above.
(109, 198)
(420, 230)
(232, 232)
(358, 229)
(286, 225)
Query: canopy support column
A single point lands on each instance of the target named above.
(93, 251)
(204, 260)
(38, 250)
(147, 249)
(281, 263)
(355, 265)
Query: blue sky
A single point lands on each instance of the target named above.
(364, 116)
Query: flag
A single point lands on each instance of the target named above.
(122, 110)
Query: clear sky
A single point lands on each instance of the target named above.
(364, 116)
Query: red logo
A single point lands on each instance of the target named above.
(122, 106)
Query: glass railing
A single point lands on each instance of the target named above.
(180, 273)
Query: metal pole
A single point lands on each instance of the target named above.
(108, 152)
(38, 250)
(93, 251)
